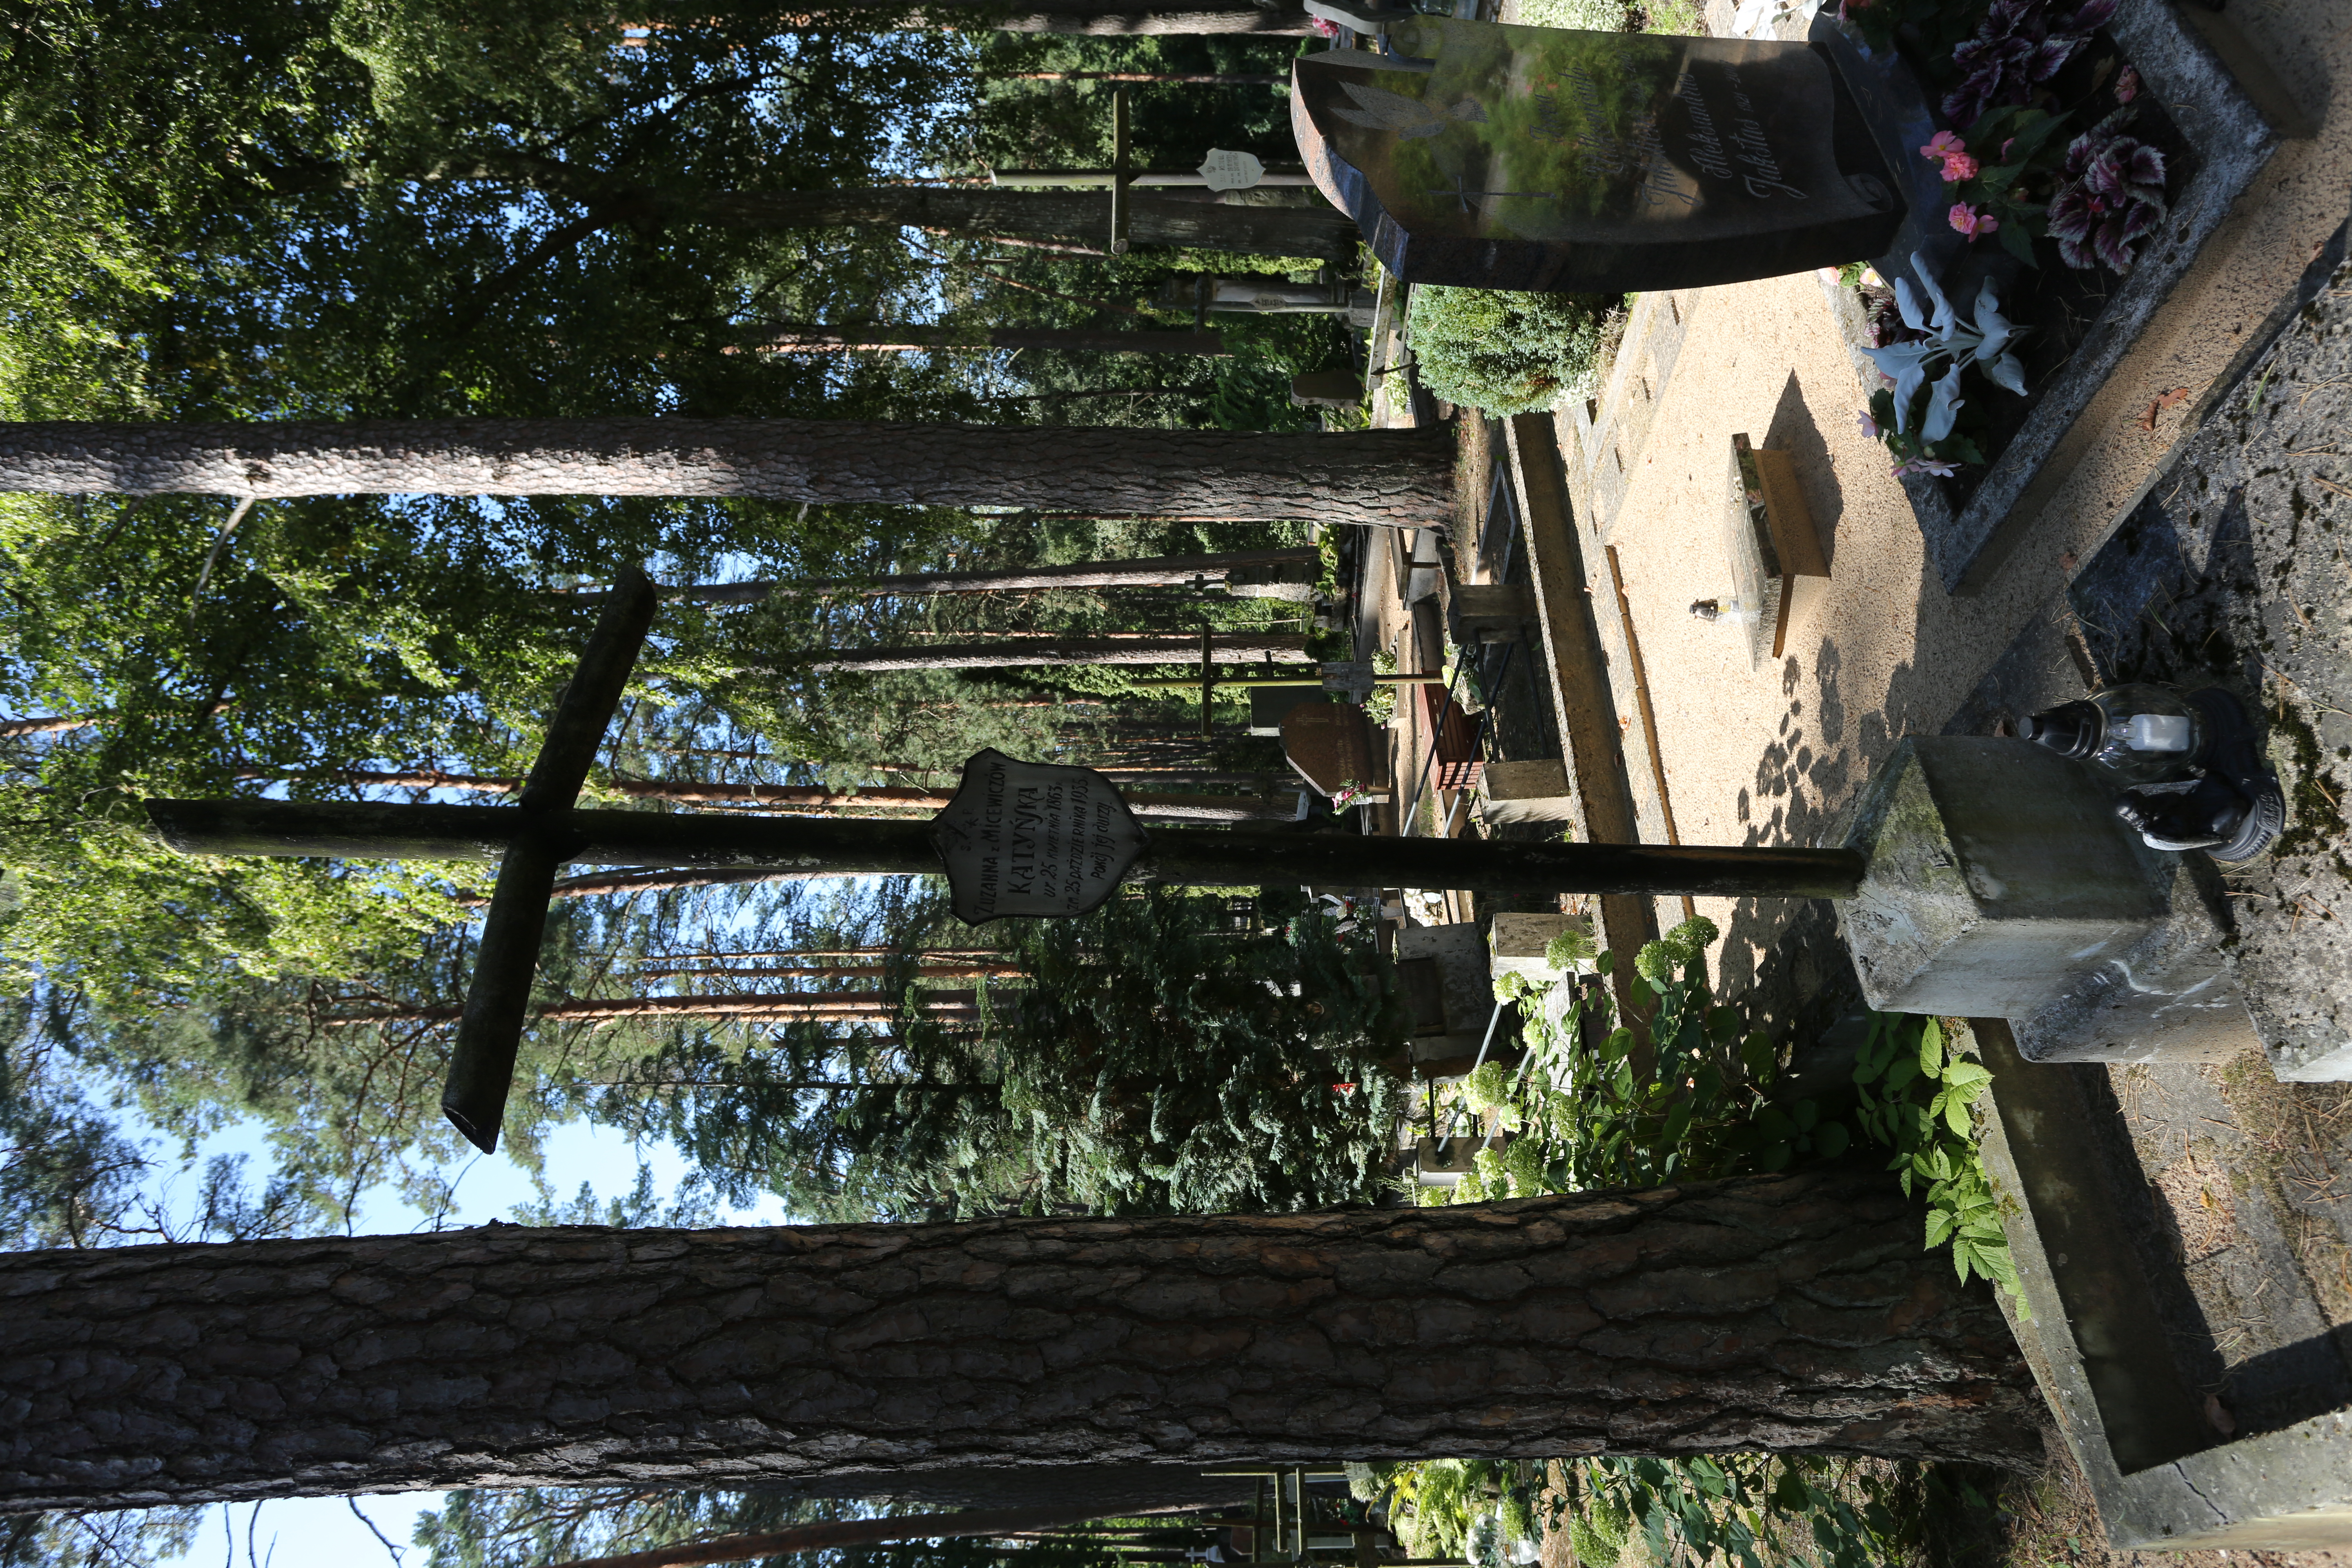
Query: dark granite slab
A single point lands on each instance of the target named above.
(1548, 159)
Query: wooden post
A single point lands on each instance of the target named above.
(1118, 171)
(867, 846)
(481, 1064)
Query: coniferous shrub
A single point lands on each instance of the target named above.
(1161, 1060)
(1506, 352)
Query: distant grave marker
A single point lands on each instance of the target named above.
(1033, 839)
(1332, 745)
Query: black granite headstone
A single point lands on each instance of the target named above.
(1536, 158)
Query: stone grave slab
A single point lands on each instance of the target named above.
(1477, 613)
(1526, 792)
(1519, 942)
(1771, 540)
(1538, 158)
(2164, 1478)
(1447, 963)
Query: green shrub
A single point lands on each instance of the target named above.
(1506, 352)
(1597, 1534)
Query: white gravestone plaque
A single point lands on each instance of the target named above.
(1229, 171)
(1032, 838)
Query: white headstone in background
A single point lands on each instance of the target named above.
(1230, 170)
(1032, 838)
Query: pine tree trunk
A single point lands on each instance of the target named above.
(1076, 650)
(767, 1006)
(799, 338)
(1143, 572)
(1793, 1312)
(44, 724)
(1079, 217)
(1391, 478)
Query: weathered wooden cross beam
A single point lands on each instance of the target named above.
(546, 830)
(481, 1065)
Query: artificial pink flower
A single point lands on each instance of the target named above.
(1925, 467)
(1326, 29)
(2005, 146)
(1957, 167)
(1869, 425)
(1971, 222)
(1944, 144)
(2128, 85)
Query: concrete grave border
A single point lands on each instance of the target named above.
(2162, 1476)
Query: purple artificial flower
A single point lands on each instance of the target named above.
(1925, 467)
(2019, 47)
(1869, 425)
(2113, 197)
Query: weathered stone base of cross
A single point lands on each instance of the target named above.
(2000, 885)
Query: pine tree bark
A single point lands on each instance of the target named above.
(763, 1006)
(1009, 655)
(1793, 1313)
(1390, 478)
(1141, 572)
(801, 338)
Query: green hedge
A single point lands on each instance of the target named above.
(1506, 352)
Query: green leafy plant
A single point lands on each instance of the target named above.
(1920, 1109)
(1506, 352)
(1747, 1509)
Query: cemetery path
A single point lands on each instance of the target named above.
(1767, 753)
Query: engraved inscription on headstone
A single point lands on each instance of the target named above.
(1032, 838)
(1538, 158)
(1225, 170)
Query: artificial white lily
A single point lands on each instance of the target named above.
(1908, 304)
(1985, 344)
(1994, 357)
(1907, 365)
(1943, 407)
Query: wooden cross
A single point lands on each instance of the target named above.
(481, 1066)
(545, 830)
